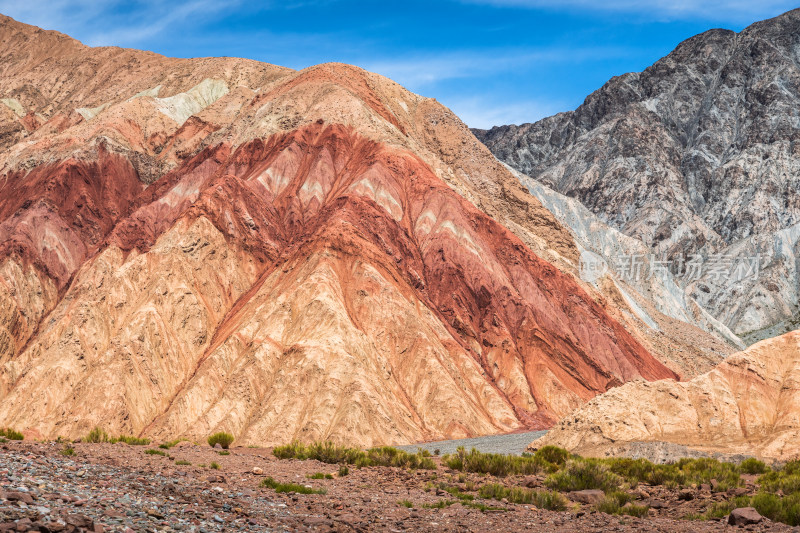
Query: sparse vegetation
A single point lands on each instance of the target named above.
(11, 434)
(214, 465)
(496, 464)
(319, 475)
(153, 451)
(98, 435)
(289, 487)
(169, 444)
(540, 498)
(223, 439)
(328, 452)
(619, 503)
(182, 462)
(406, 503)
(343, 470)
(223, 452)
(128, 439)
(67, 451)
(441, 504)
(582, 474)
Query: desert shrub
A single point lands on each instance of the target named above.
(768, 505)
(330, 453)
(319, 475)
(550, 500)
(153, 451)
(11, 434)
(182, 462)
(552, 454)
(169, 444)
(496, 464)
(128, 439)
(67, 451)
(441, 504)
(618, 502)
(289, 487)
(786, 479)
(221, 438)
(343, 470)
(214, 465)
(96, 435)
(542, 499)
(582, 474)
(406, 503)
(752, 465)
(482, 507)
(223, 452)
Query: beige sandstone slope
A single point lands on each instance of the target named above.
(749, 404)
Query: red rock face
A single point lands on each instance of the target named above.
(325, 187)
(56, 215)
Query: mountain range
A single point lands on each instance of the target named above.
(218, 244)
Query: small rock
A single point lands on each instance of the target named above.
(79, 520)
(589, 496)
(657, 504)
(686, 495)
(257, 471)
(23, 497)
(744, 516)
(218, 446)
(154, 513)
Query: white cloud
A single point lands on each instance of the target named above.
(418, 71)
(732, 11)
(99, 23)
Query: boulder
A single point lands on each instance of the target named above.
(744, 516)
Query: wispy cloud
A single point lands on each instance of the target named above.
(732, 11)
(419, 71)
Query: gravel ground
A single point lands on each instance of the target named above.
(514, 443)
(104, 488)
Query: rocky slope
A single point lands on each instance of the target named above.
(695, 155)
(217, 244)
(749, 404)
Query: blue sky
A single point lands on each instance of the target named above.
(491, 61)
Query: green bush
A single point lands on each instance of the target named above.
(223, 439)
(552, 454)
(133, 441)
(96, 435)
(182, 462)
(343, 471)
(67, 451)
(11, 434)
(618, 502)
(319, 475)
(406, 503)
(582, 474)
(170, 444)
(752, 466)
(214, 465)
(153, 451)
(330, 453)
(498, 465)
(289, 487)
(543, 499)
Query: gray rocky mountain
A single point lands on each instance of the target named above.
(697, 156)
